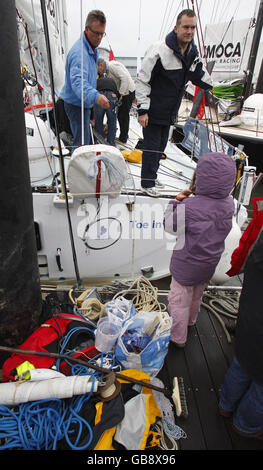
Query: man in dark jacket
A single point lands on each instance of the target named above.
(242, 392)
(166, 68)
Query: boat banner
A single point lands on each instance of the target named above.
(229, 44)
(200, 140)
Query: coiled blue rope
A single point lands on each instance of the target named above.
(42, 424)
(66, 340)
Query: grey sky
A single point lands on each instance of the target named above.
(127, 20)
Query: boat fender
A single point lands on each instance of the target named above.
(231, 243)
(14, 393)
(252, 111)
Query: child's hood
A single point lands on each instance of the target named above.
(215, 175)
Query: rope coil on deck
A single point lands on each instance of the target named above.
(229, 308)
(146, 295)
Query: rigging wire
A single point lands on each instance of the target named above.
(82, 74)
(140, 20)
(42, 73)
(173, 22)
(45, 24)
(213, 99)
(162, 25)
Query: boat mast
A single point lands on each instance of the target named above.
(61, 161)
(259, 87)
(253, 53)
(20, 293)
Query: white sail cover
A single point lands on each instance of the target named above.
(96, 169)
(29, 13)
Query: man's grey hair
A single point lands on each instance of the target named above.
(95, 15)
(101, 61)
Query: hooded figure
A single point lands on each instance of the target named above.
(202, 224)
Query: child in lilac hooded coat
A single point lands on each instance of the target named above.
(200, 243)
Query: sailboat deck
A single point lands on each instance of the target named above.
(203, 364)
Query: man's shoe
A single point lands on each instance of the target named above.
(257, 435)
(151, 192)
(158, 184)
(123, 141)
(120, 142)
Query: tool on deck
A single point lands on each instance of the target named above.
(177, 395)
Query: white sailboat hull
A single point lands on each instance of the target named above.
(121, 243)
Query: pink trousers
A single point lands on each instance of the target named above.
(183, 305)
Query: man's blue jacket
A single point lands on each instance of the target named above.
(71, 91)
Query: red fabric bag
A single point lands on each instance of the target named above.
(48, 338)
(248, 239)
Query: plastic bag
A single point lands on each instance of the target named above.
(119, 310)
(150, 356)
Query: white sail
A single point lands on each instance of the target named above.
(32, 38)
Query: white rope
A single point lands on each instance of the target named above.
(146, 296)
(165, 407)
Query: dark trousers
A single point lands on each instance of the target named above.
(155, 138)
(74, 114)
(124, 115)
(111, 114)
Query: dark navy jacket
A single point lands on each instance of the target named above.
(164, 73)
(249, 334)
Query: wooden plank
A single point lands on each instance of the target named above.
(177, 367)
(228, 348)
(214, 352)
(214, 430)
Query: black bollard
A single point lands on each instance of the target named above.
(20, 293)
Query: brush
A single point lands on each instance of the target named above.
(179, 397)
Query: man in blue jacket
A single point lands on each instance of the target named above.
(166, 68)
(72, 90)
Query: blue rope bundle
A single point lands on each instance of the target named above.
(41, 424)
(38, 425)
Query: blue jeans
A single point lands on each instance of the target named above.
(74, 115)
(240, 395)
(111, 114)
